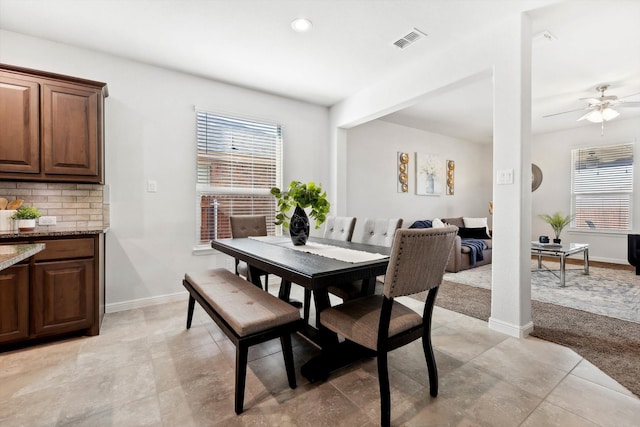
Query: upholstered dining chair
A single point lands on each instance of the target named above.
(248, 226)
(337, 228)
(375, 231)
(380, 323)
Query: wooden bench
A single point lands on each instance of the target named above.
(247, 315)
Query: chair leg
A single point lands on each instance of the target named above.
(192, 303)
(287, 352)
(385, 392)
(266, 282)
(431, 365)
(426, 341)
(307, 304)
(242, 351)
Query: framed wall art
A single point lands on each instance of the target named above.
(430, 174)
(403, 172)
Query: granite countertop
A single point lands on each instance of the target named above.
(52, 230)
(12, 254)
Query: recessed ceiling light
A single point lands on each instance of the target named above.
(301, 25)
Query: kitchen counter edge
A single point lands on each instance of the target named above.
(46, 232)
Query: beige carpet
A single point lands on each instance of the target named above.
(613, 345)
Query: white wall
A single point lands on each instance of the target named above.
(150, 134)
(552, 153)
(372, 174)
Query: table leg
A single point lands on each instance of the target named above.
(586, 261)
(562, 265)
(539, 260)
(254, 276)
(285, 290)
(368, 286)
(335, 354)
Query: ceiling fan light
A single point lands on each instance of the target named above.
(594, 117)
(609, 113)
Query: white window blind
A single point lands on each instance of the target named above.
(239, 161)
(602, 187)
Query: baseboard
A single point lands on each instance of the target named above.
(510, 329)
(145, 302)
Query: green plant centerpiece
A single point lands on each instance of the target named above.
(26, 217)
(557, 221)
(300, 196)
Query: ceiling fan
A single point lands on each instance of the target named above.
(600, 109)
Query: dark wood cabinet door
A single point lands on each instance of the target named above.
(14, 303)
(63, 296)
(19, 125)
(71, 141)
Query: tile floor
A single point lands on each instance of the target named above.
(146, 369)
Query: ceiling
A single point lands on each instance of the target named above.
(250, 43)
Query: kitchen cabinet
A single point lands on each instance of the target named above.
(52, 127)
(57, 292)
(14, 303)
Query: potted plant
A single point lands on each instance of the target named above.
(557, 221)
(26, 216)
(301, 196)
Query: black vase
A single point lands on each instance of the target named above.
(556, 241)
(299, 227)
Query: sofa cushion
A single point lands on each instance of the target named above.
(458, 221)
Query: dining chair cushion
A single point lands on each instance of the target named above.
(234, 298)
(358, 320)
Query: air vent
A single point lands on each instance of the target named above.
(411, 37)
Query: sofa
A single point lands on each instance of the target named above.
(461, 254)
(460, 258)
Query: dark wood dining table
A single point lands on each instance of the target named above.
(315, 272)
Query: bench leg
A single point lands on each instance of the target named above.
(192, 303)
(287, 352)
(242, 351)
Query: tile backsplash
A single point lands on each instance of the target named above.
(73, 205)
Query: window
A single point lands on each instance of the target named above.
(602, 187)
(239, 161)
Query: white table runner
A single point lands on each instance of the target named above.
(327, 251)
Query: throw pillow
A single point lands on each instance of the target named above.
(437, 223)
(425, 223)
(473, 233)
(475, 223)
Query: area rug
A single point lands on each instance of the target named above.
(611, 344)
(605, 291)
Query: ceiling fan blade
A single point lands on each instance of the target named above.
(629, 104)
(629, 96)
(570, 111)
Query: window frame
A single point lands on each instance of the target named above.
(203, 189)
(578, 223)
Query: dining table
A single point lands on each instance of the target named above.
(315, 266)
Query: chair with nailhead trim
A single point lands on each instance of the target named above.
(380, 323)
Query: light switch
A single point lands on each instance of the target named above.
(152, 186)
(505, 176)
